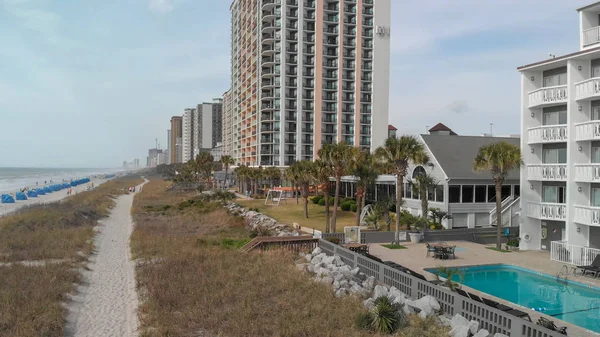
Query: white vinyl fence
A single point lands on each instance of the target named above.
(576, 255)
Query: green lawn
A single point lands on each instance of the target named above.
(394, 246)
(290, 213)
(498, 250)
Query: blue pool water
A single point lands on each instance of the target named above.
(573, 302)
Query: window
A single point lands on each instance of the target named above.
(481, 193)
(595, 155)
(554, 194)
(431, 193)
(595, 197)
(418, 171)
(467, 193)
(554, 80)
(554, 156)
(506, 191)
(554, 118)
(517, 191)
(407, 191)
(595, 115)
(491, 193)
(454, 194)
(439, 193)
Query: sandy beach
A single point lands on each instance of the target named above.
(48, 198)
(106, 302)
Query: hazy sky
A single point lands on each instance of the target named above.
(90, 83)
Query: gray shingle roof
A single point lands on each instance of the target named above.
(455, 154)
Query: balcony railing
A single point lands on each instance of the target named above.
(547, 134)
(587, 89)
(587, 172)
(546, 211)
(591, 36)
(577, 255)
(547, 172)
(586, 215)
(548, 96)
(587, 131)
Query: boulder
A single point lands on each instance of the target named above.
(311, 268)
(500, 335)
(369, 283)
(344, 283)
(341, 292)
(408, 310)
(317, 251)
(482, 333)
(326, 280)
(337, 276)
(338, 261)
(344, 269)
(395, 295)
(330, 266)
(460, 331)
(308, 257)
(426, 304)
(356, 289)
(369, 303)
(458, 320)
(473, 326)
(380, 291)
(355, 271)
(336, 284)
(445, 321)
(328, 259)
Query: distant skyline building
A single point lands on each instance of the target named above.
(175, 140)
(169, 146)
(307, 73)
(188, 130)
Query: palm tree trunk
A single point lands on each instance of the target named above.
(338, 182)
(327, 213)
(399, 180)
(295, 187)
(424, 203)
(499, 214)
(305, 197)
(226, 169)
(358, 205)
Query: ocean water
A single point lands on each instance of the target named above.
(15, 178)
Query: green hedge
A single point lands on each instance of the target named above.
(315, 200)
(322, 202)
(347, 205)
(354, 207)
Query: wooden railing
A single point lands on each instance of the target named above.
(292, 243)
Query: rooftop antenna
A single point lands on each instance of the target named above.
(551, 55)
(491, 128)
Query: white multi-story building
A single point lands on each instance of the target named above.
(306, 73)
(560, 119)
(188, 130)
(227, 124)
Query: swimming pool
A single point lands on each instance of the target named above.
(573, 302)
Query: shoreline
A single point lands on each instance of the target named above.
(6, 209)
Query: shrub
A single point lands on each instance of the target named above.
(331, 200)
(322, 202)
(363, 320)
(354, 208)
(513, 242)
(334, 240)
(185, 204)
(315, 200)
(386, 317)
(346, 205)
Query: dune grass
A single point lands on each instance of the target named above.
(193, 281)
(289, 212)
(32, 297)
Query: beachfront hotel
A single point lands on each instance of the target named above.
(175, 138)
(201, 128)
(306, 73)
(560, 121)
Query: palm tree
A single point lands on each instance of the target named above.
(339, 157)
(323, 172)
(363, 170)
(272, 173)
(256, 175)
(227, 161)
(241, 173)
(395, 156)
(203, 165)
(421, 185)
(498, 158)
(292, 176)
(304, 173)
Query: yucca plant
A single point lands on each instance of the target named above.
(386, 317)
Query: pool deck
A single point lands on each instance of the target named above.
(415, 257)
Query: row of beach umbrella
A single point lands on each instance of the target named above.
(33, 193)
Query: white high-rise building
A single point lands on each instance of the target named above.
(306, 73)
(188, 132)
(560, 119)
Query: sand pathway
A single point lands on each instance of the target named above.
(106, 303)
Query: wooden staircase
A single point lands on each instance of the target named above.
(292, 243)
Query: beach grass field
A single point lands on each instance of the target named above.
(41, 248)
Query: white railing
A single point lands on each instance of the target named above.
(587, 130)
(508, 206)
(547, 172)
(546, 211)
(548, 95)
(577, 255)
(588, 88)
(547, 134)
(591, 36)
(587, 215)
(587, 172)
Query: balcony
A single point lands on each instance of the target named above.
(547, 211)
(587, 131)
(547, 172)
(591, 36)
(547, 134)
(548, 96)
(588, 89)
(589, 173)
(586, 215)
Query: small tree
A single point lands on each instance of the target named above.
(498, 158)
(227, 161)
(363, 169)
(339, 157)
(421, 184)
(323, 172)
(304, 173)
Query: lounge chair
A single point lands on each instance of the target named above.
(594, 267)
(475, 297)
(462, 292)
(519, 313)
(421, 277)
(548, 324)
(373, 257)
(451, 250)
(496, 305)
